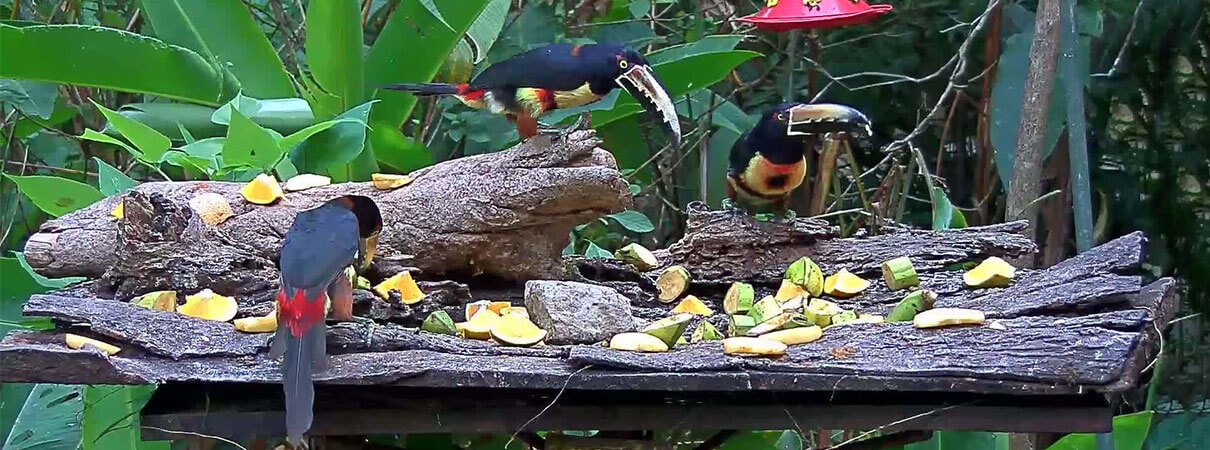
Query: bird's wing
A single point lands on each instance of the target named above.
(321, 243)
(741, 154)
(549, 67)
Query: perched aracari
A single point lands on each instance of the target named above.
(315, 260)
(768, 162)
(559, 75)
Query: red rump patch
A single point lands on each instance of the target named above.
(464, 91)
(547, 98)
(575, 50)
(299, 313)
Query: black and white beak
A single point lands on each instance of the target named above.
(642, 84)
(820, 118)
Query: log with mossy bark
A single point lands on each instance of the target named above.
(505, 214)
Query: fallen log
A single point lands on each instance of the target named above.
(505, 214)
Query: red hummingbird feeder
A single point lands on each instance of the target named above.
(785, 15)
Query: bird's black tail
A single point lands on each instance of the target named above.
(426, 88)
(301, 357)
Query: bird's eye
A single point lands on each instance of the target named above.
(781, 117)
(623, 64)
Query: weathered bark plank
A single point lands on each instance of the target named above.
(505, 214)
(722, 246)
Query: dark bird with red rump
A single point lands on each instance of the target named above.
(532, 83)
(318, 251)
(768, 162)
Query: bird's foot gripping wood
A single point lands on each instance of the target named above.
(584, 121)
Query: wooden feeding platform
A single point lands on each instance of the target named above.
(1056, 344)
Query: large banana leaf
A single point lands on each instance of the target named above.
(284, 115)
(334, 50)
(411, 48)
(50, 419)
(111, 416)
(224, 31)
(111, 59)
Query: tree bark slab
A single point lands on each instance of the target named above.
(505, 214)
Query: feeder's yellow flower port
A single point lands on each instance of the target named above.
(262, 190)
(76, 341)
(402, 282)
(386, 181)
(208, 305)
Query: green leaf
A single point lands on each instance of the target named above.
(789, 440)
(151, 143)
(250, 144)
(18, 285)
(680, 77)
(281, 114)
(750, 440)
(185, 134)
(111, 416)
(633, 220)
(96, 136)
(28, 125)
(111, 180)
(110, 59)
(334, 50)
(49, 420)
(12, 398)
(708, 44)
(33, 98)
(962, 440)
(224, 31)
(54, 195)
(1129, 433)
(432, 8)
(338, 143)
(595, 251)
(945, 215)
(411, 48)
(484, 31)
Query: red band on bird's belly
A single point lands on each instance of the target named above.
(769, 168)
(298, 312)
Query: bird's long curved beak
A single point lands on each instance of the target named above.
(822, 118)
(642, 84)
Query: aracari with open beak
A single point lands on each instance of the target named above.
(532, 83)
(323, 244)
(768, 162)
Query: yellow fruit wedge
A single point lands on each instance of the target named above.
(844, 284)
(940, 317)
(637, 256)
(788, 290)
(821, 312)
(76, 341)
(211, 208)
(118, 210)
(304, 181)
(753, 346)
(517, 330)
(992, 272)
(692, 305)
(480, 326)
(672, 283)
(792, 336)
(637, 342)
(515, 311)
(262, 190)
(263, 324)
(402, 282)
(208, 305)
(159, 300)
(387, 181)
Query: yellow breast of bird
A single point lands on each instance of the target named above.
(767, 178)
(530, 99)
(579, 96)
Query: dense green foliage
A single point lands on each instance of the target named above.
(97, 95)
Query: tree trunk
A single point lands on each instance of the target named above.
(1025, 186)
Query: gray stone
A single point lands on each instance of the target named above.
(577, 313)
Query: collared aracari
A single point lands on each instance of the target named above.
(561, 75)
(320, 247)
(768, 162)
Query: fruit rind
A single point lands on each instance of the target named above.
(739, 298)
(673, 282)
(804, 272)
(899, 273)
(505, 330)
(753, 346)
(706, 332)
(669, 329)
(913, 303)
(637, 256)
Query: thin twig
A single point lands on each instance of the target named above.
(898, 422)
(190, 433)
(51, 168)
(548, 406)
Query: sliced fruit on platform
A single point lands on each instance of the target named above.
(793, 336)
(820, 311)
(806, 274)
(262, 324)
(844, 317)
(637, 256)
(409, 292)
(693, 305)
(439, 322)
(208, 305)
(739, 325)
(262, 190)
(388, 181)
(788, 290)
(913, 303)
(778, 322)
(899, 273)
(992, 272)
(739, 298)
(706, 332)
(76, 341)
(753, 346)
(517, 330)
(304, 181)
(844, 284)
(211, 208)
(940, 317)
(672, 283)
(161, 300)
(765, 309)
(669, 329)
(637, 342)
